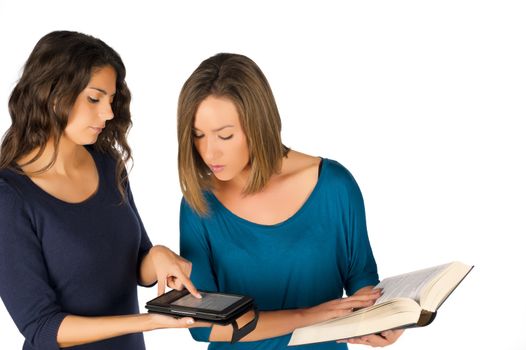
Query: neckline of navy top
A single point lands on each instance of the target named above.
(93, 198)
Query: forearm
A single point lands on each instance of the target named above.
(147, 274)
(276, 323)
(77, 330)
(271, 324)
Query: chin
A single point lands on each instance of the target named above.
(223, 177)
(90, 142)
(84, 142)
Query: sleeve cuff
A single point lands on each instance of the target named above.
(48, 335)
(201, 334)
(139, 262)
(353, 286)
(146, 285)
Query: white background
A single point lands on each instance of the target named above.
(424, 102)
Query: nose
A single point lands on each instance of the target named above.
(211, 149)
(106, 112)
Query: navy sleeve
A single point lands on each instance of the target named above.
(25, 288)
(145, 244)
(195, 248)
(362, 270)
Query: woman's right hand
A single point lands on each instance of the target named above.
(158, 321)
(340, 307)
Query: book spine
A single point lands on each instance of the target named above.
(426, 317)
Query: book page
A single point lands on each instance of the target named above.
(407, 285)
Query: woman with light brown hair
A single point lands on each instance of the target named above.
(263, 220)
(72, 245)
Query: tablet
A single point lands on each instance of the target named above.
(220, 308)
(214, 307)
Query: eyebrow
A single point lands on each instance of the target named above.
(218, 129)
(100, 90)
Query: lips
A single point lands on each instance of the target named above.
(216, 168)
(96, 128)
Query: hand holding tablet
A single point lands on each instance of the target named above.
(218, 308)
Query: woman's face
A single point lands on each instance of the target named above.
(219, 138)
(92, 108)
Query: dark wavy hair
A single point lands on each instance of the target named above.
(58, 69)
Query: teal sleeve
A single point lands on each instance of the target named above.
(196, 248)
(362, 270)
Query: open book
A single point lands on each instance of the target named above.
(408, 300)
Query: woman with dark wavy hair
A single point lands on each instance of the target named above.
(72, 244)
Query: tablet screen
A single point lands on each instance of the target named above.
(216, 302)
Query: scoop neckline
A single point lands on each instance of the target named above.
(84, 202)
(290, 219)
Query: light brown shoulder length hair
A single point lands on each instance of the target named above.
(239, 79)
(57, 70)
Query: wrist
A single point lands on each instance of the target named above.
(302, 318)
(156, 321)
(149, 322)
(307, 317)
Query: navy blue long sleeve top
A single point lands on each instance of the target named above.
(308, 259)
(59, 258)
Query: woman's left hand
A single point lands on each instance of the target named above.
(385, 338)
(171, 270)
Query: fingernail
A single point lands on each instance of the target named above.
(190, 321)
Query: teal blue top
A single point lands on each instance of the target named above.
(308, 259)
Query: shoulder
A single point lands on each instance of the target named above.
(5, 188)
(337, 172)
(10, 195)
(187, 212)
(338, 180)
(191, 224)
(185, 206)
(10, 183)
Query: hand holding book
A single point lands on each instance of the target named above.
(408, 300)
(383, 339)
(341, 307)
